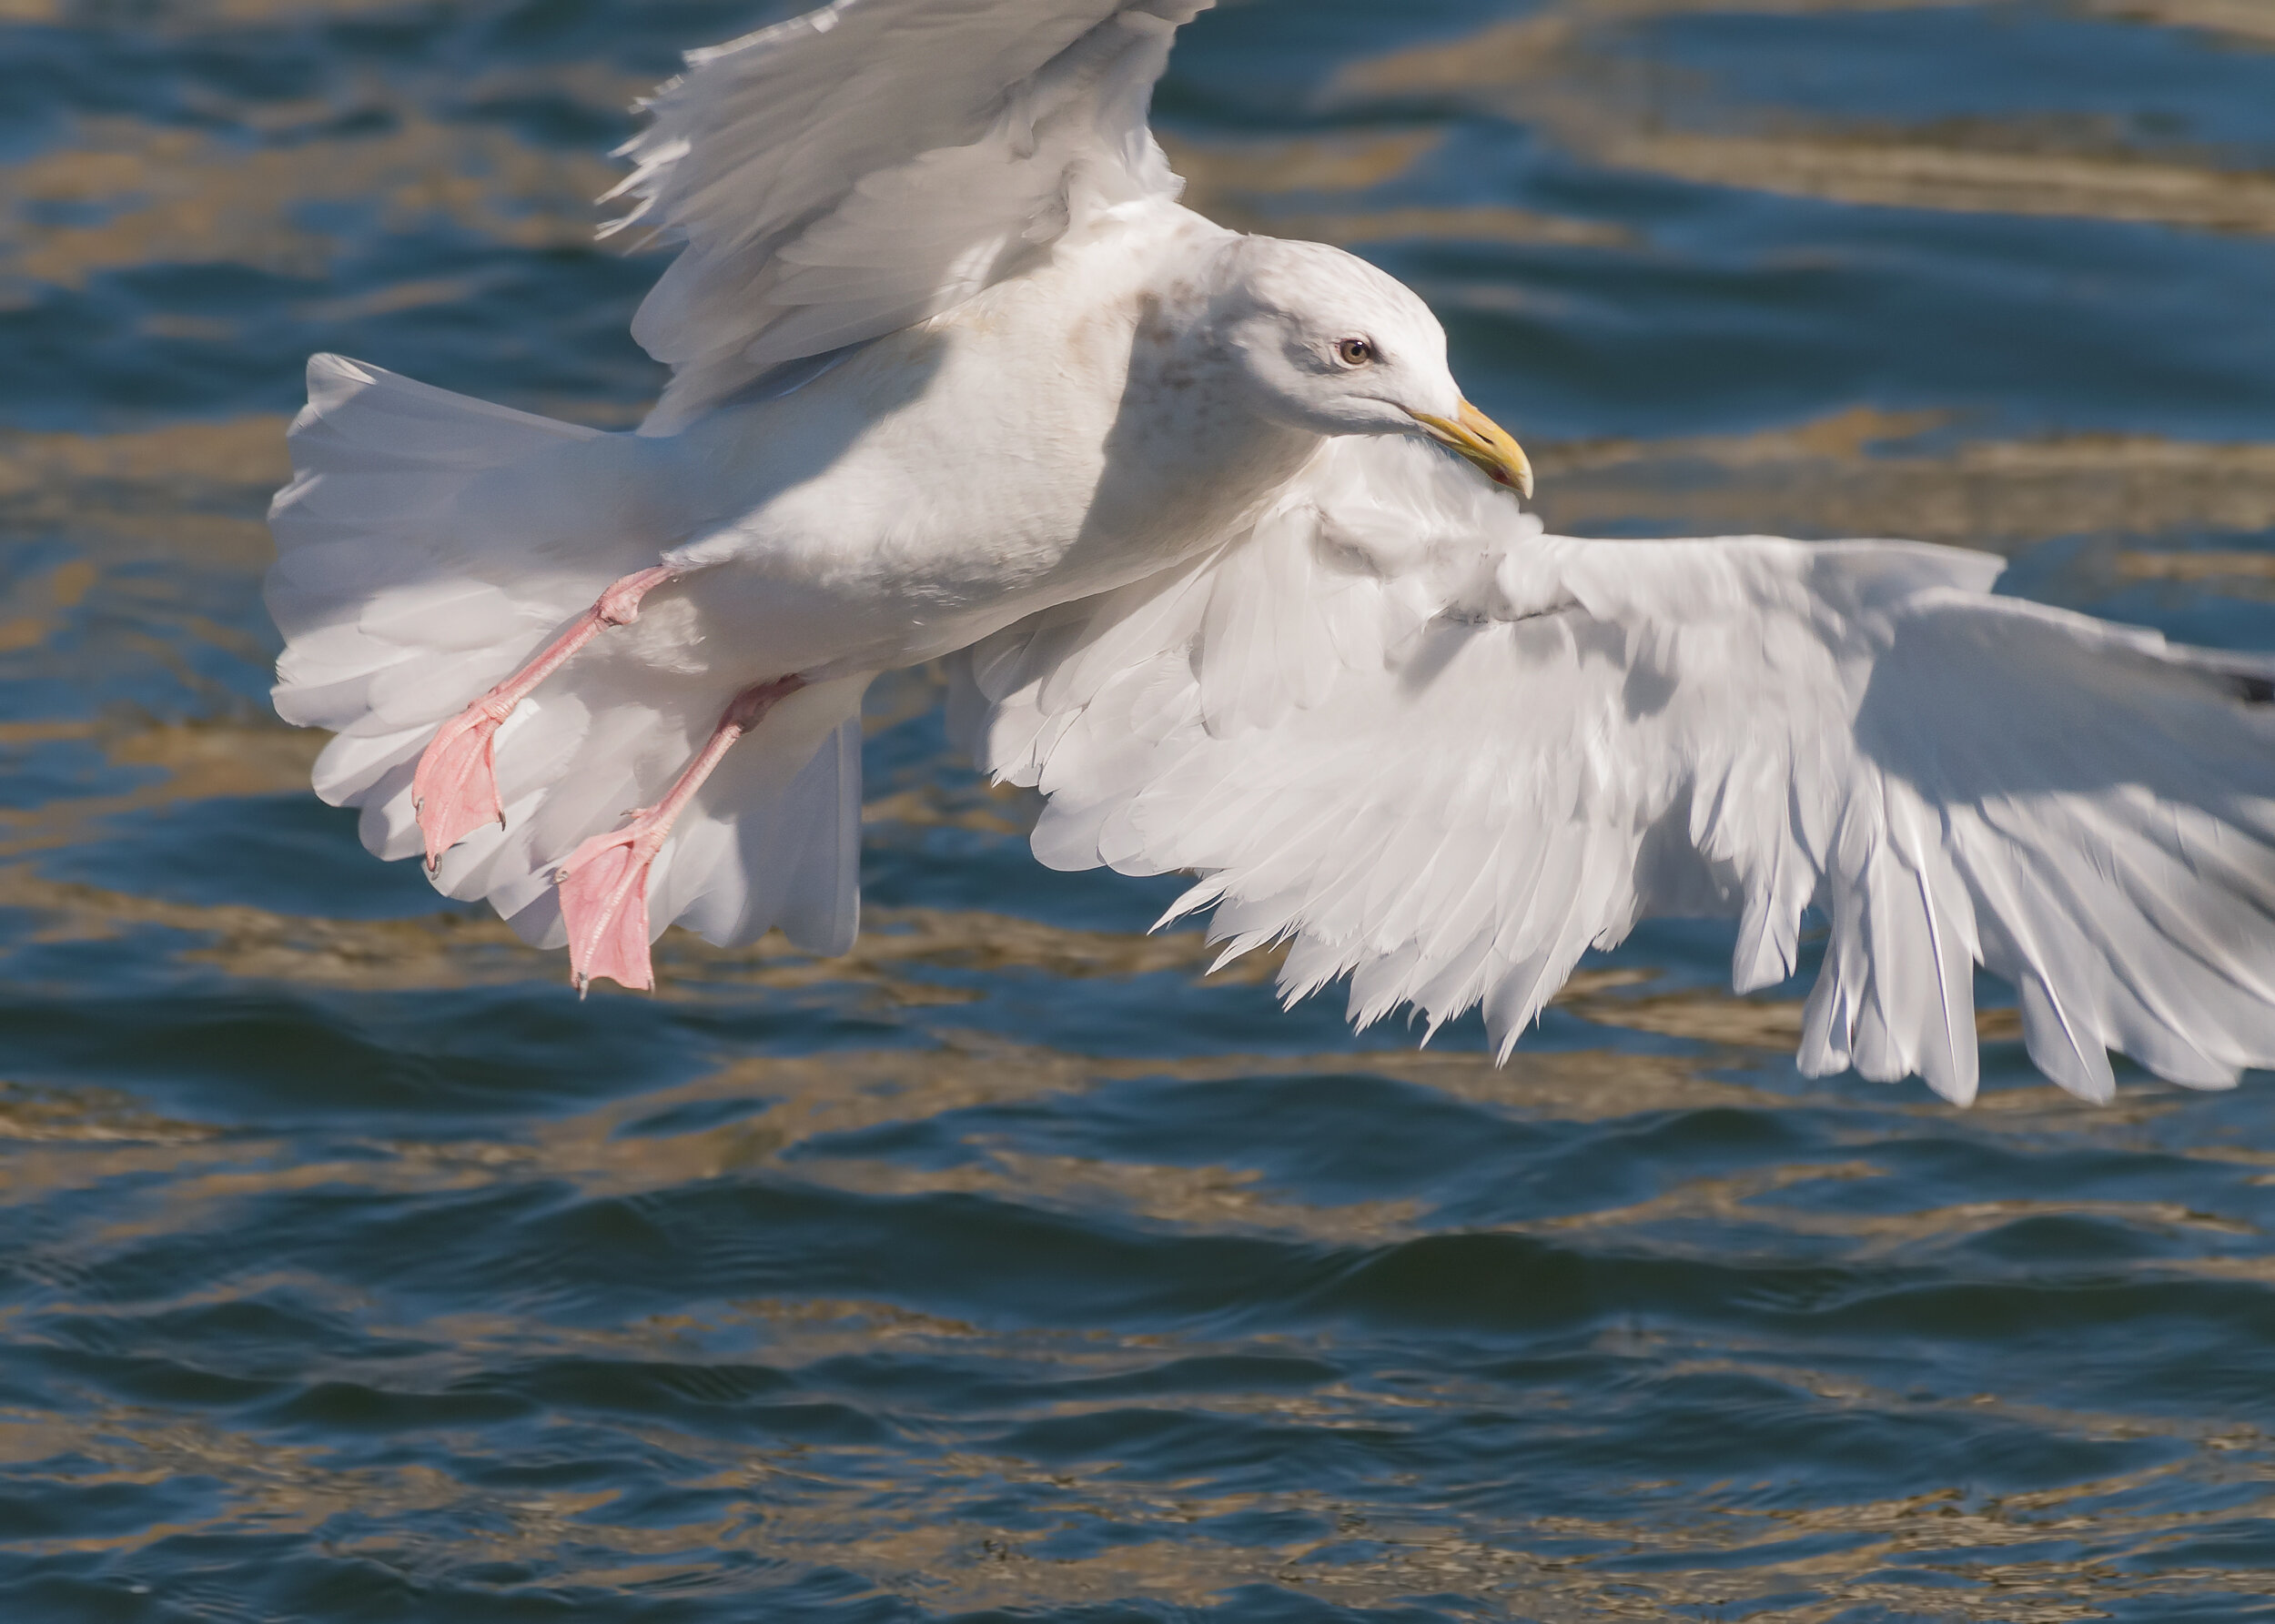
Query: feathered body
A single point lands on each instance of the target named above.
(956, 376)
(852, 526)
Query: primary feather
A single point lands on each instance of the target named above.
(1470, 751)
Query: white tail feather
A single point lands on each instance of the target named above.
(428, 545)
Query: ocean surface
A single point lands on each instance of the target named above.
(1012, 1269)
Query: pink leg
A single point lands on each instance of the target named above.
(604, 882)
(455, 789)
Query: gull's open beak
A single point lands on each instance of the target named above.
(1484, 442)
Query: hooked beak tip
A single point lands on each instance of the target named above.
(1479, 439)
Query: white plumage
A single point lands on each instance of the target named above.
(955, 375)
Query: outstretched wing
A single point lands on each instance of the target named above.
(869, 165)
(1445, 754)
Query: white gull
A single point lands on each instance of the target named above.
(956, 375)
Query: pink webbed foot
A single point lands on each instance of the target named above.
(604, 899)
(604, 882)
(454, 790)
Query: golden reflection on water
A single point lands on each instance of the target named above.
(1850, 475)
(912, 1521)
(81, 1138)
(1556, 68)
(177, 196)
(455, 949)
(923, 1535)
(2238, 22)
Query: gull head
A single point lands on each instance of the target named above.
(1323, 341)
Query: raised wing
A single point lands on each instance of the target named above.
(869, 165)
(1445, 754)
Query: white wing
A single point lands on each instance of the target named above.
(874, 162)
(1445, 754)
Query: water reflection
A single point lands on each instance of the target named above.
(350, 1268)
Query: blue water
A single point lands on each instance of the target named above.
(351, 1269)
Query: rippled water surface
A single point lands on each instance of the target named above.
(351, 1269)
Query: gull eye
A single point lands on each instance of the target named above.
(1354, 352)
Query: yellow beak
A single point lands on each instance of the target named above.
(1484, 442)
